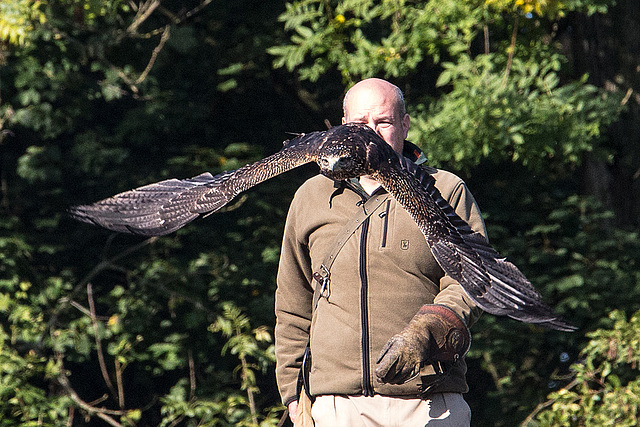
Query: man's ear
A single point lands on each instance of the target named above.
(344, 120)
(406, 120)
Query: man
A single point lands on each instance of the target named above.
(388, 306)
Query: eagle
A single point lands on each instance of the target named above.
(347, 151)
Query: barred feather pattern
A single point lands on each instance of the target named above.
(342, 152)
(492, 282)
(163, 207)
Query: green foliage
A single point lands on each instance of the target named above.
(605, 389)
(523, 114)
(503, 103)
(23, 364)
(17, 20)
(102, 96)
(582, 252)
(551, 8)
(367, 38)
(584, 268)
(112, 328)
(231, 407)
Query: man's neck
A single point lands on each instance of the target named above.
(369, 184)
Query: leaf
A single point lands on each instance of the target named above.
(305, 32)
(444, 78)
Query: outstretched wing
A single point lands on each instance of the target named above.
(163, 207)
(496, 285)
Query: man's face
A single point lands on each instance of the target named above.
(375, 105)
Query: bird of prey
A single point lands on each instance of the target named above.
(342, 152)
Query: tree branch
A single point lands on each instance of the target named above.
(626, 97)
(144, 11)
(154, 55)
(487, 44)
(175, 19)
(492, 370)
(192, 376)
(546, 404)
(102, 413)
(252, 402)
(119, 382)
(101, 266)
(512, 51)
(94, 321)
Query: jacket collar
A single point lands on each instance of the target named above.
(413, 153)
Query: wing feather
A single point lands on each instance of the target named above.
(496, 285)
(163, 207)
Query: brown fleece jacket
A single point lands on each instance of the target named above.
(380, 279)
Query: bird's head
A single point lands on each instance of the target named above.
(345, 152)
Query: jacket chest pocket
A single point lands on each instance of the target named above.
(400, 239)
(384, 224)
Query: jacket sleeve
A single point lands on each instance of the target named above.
(451, 293)
(293, 306)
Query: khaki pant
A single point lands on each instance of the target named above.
(440, 410)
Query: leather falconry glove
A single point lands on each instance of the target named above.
(435, 333)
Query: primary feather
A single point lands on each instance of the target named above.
(342, 152)
(163, 207)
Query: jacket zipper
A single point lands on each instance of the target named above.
(367, 389)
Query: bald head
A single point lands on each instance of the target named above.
(377, 87)
(380, 105)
